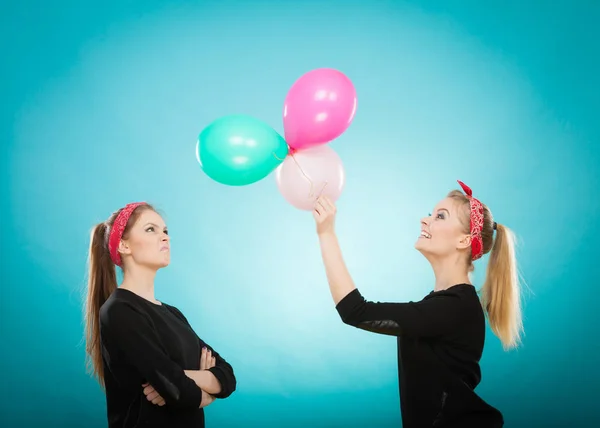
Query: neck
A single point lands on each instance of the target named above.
(449, 272)
(140, 280)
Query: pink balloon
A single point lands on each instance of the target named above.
(303, 176)
(318, 108)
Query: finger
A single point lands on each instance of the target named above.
(327, 203)
(145, 384)
(152, 396)
(208, 359)
(214, 362)
(319, 209)
(317, 204)
(148, 390)
(324, 206)
(203, 359)
(161, 402)
(157, 400)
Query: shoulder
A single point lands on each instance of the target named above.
(459, 303)
(119, 308)
(175, 311)
(460, 295)
(461, 291)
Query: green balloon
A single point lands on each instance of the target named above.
(238, 150)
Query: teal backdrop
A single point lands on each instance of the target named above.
(102, 102)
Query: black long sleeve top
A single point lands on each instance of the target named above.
(440, 343)
(154, 343)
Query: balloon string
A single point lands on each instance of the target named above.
(277, 157)
(310, 193)
(323, 189)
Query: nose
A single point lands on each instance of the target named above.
(425, 221)
(166, 237)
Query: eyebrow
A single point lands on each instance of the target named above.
(444, 209)
(154, 224)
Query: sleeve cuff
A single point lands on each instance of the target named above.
(223, 380)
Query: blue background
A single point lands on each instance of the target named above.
(101, 104)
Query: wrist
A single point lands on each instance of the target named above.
(198, 376)
(326, 234)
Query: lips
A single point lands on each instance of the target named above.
(164, 248)
(425, 234)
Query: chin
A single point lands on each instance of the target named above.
(165, 261)
(161, 264)
(420, 245)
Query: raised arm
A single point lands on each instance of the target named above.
(128, 332)
(430, 317)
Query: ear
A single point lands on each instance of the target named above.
(124, 247)
(464, 242)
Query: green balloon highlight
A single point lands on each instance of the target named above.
(238, 150)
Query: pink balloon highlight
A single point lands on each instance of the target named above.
(305, 175)
(318, 108)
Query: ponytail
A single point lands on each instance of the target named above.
(102, 281)
(501, 292)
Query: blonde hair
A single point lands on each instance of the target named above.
(501, 294)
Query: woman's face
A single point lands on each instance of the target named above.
(444, 231)
(147, 242)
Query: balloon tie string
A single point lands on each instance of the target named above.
(323, 189)
(311, 191)
(277, 157)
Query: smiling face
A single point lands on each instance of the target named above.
(444, 232)
(147, 242)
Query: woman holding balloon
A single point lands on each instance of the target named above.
(441, 337)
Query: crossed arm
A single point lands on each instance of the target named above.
(127, 329)
(204, 379)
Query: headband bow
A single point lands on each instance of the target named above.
(117, 229)
(476, 222)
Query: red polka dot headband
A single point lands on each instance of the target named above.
(476, 222)
(117, 229)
